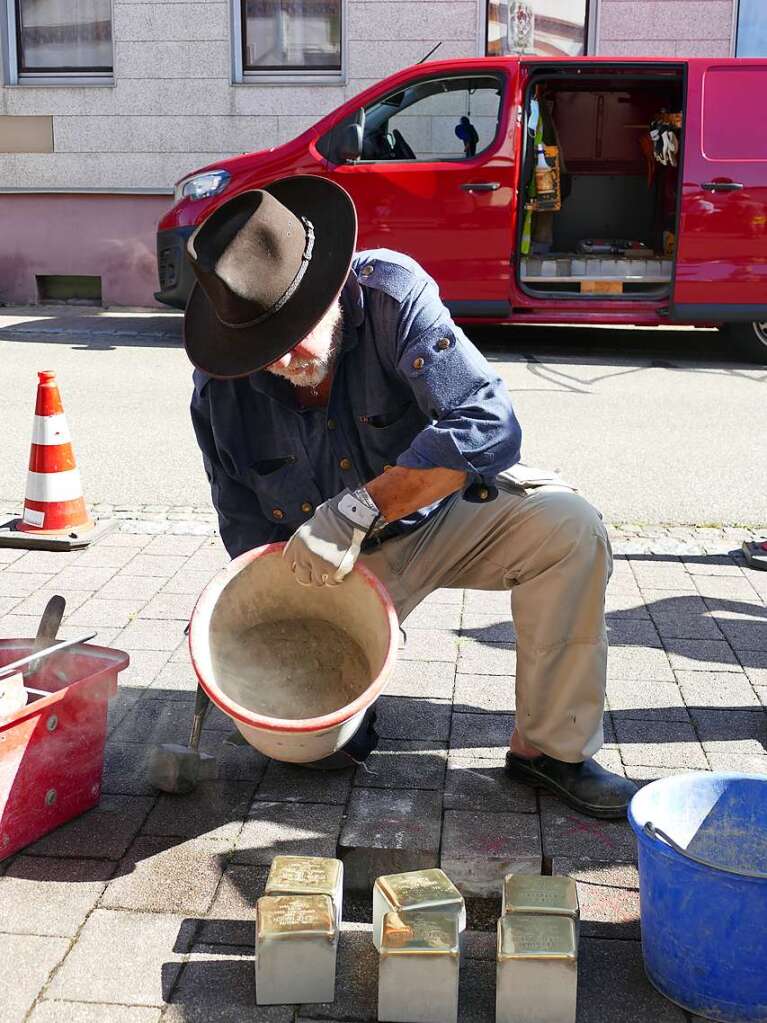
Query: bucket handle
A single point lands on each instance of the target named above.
(653, 832)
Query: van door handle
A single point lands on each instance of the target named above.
(481, 186)
(721, 186)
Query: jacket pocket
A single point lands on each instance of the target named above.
(386, 432)
(285, 487)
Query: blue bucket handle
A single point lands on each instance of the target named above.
(652, 832)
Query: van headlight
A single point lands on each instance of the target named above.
(201, 186)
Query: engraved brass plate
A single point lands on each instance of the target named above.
(419, 889)
(536, 937)
(529, 893)
(420, 932)
(278, 916)
(310, 875)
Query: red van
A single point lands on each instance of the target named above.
(585, 190)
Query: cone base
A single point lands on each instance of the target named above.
(74, 539)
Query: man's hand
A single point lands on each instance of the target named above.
(325, 549)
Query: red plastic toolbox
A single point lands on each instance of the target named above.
(52, 750)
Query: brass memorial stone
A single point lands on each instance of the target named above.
(296, 944)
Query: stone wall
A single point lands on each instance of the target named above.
(665, 28)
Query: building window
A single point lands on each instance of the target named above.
(752, 29)
(549, 28)
(293, 36)
(63, 38)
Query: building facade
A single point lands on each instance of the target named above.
(104, 104)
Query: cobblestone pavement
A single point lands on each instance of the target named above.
(142, 910)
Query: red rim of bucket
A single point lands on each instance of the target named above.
(201, 617)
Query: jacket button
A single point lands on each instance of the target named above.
(443, 343)
(367, 270)
(307, 508)
(278, 513)
(484, 493)
(387, 467)
(418, 363)
(364, 419)
(331, 424)
(345, 464)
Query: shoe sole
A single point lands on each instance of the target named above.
(547, 785)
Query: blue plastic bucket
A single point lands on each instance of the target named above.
(702, 841)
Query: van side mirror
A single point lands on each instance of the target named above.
(351, 143)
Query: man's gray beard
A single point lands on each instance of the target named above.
(316, 370)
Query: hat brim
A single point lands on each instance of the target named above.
(224, 352)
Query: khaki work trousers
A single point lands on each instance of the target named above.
(549, 547)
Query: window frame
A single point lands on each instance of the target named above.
(289, 76)
(16, 74)
(590, 29)
(735, 34)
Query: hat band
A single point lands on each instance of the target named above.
(291, 289)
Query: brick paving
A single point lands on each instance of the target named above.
(141, 911)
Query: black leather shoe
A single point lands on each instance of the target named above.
(586, 786)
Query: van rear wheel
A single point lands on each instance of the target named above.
(749, 340)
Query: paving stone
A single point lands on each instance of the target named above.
(717, 725)
(479, 849)
(444, 596)
(717, 589)
(489, 628)
(481, 735)
(143, 668)
(150, 635)
(434, 616)
(743, 764)
(474, 782)
(164, 565)
(632, 632)
(234, 762)
(608, 895)
(121, 705)
(638, 663)
(571, 834)
(231, 920)
(216, 809)
(620, 605)
(112, 613)
(755, 665)
(290, 829)
(356, 980)
(293, 783)
(76, 578)
(42, 895)
(661, 743)
(188, 581)
(395, 765)
(701, 655)
(711, 564)
(661, 602)
(173, 678)
(34, 957)
(46, 561)
(36, 602)
(610, 758)
(154, 721)
(125, 536)
(419, 678)
(686, 627)
(656, 701)
(126, 770)
(429, 645)
(106, 557)
(197, 997)
(410, 718)
(612, 986)
(487, 602)
(661, 574)
(133, 587)
(389, 831)
(6, 603)
(716, 689)
(643, 775)
(9, 555)
(745, 634)
(161, 875)
(14, 626)
(179, 546)
(486, 658)
(106, 831)
(170, 606)
(484, 694)
(22, 584)
(82, 1012)
(98, 970)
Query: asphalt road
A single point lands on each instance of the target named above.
(653, 425)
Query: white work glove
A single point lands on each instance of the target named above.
(325, 549)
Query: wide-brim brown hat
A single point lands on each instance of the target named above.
(269, 264)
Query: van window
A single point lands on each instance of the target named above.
(448, 118)
(729, 131)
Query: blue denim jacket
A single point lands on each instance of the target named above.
(409, 389)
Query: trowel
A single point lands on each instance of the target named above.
(15, 690)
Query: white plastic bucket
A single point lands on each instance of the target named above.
(287, 719)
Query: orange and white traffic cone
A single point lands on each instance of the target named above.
(54, 516)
